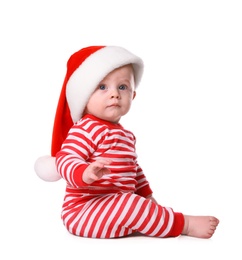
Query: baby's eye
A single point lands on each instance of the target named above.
(122, 87)
(102, 87)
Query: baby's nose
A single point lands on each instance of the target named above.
(115, 93)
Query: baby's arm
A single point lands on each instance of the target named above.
(96, 170)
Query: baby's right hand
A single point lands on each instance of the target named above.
(96, 170)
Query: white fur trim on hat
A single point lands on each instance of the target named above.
(86, 77)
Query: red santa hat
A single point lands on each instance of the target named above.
(85, 69)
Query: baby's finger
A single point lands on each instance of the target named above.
(102, 162)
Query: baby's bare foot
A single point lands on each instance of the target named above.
(200, 226)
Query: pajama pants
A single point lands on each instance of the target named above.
(116, 215)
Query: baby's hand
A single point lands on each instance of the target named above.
(96, 170)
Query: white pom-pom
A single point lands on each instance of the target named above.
(45, 168)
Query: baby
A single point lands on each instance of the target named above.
(107, 193)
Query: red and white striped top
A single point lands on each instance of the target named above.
(92, 138)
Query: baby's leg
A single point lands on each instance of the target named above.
(199, 226)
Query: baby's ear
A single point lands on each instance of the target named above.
(45, 168)
(134, 94)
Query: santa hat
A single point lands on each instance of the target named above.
(85, 69)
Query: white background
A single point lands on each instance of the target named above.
(186, 117)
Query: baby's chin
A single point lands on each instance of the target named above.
(111, 117)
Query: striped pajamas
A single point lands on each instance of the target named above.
(117, 204)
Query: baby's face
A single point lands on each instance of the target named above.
(113, 96)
